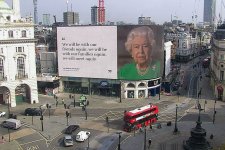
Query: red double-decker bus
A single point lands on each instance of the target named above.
(140, 117)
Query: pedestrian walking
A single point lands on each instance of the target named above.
(70, 96)
(149, 143)
(211, 136)
(62, 101)
(65, 106)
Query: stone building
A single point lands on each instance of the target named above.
(18, 81)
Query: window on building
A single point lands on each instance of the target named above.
(24, 33)
(20, 49)
(20, 67)
(10, 33)
(141, 85)
(131, 85)
(222, 57)
(8, 18)
(1, 68)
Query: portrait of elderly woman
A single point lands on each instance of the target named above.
(140, 43)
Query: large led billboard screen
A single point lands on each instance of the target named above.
(140, 52)
(127, 52)
(87, 51)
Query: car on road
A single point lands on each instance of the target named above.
(11, 123)
(32, 112)
(71, 129)
(82, 136)
(68, 140)
(2, 113)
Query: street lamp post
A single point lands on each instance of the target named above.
(205, 104)
(107, 122)
(150, 125)
(178, 95)
(9, 134)
(67, 115)
(48, 107)
(119, 140)
(74, 101)
(84, 108)
(145, 138)
(8, 109)
(88, 141)
(42, 126)
(214, 112)
(85, 113)
(120, 92)
(175, 127)
(32, 119)
(9, 101)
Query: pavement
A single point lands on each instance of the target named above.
(163, 138)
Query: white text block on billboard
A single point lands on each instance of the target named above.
(87, 51)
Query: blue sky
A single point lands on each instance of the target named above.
(121, 10)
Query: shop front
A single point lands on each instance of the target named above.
(140, 89)
(91, 86)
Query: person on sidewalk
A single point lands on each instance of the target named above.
(63, 101)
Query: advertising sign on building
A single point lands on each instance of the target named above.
(87, 51)
(111, 52)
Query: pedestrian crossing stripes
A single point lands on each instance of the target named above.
(112, 115)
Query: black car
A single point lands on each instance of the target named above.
(32, 112)
(71, 129)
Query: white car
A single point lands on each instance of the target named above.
(2, 113)
(82, 136)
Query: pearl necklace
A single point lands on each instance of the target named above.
(142, 72)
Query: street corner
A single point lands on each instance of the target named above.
(13, 145)
(13, 135)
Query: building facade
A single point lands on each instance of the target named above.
(71, 18)
(18, 81)
(209, 11)
(187, 47)
(217, 64)
(46, 20)
(94, 15)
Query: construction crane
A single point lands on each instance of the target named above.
(101, 12)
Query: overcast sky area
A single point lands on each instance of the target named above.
(122, 10)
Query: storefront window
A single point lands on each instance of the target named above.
(130, 94)
(141, 94)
